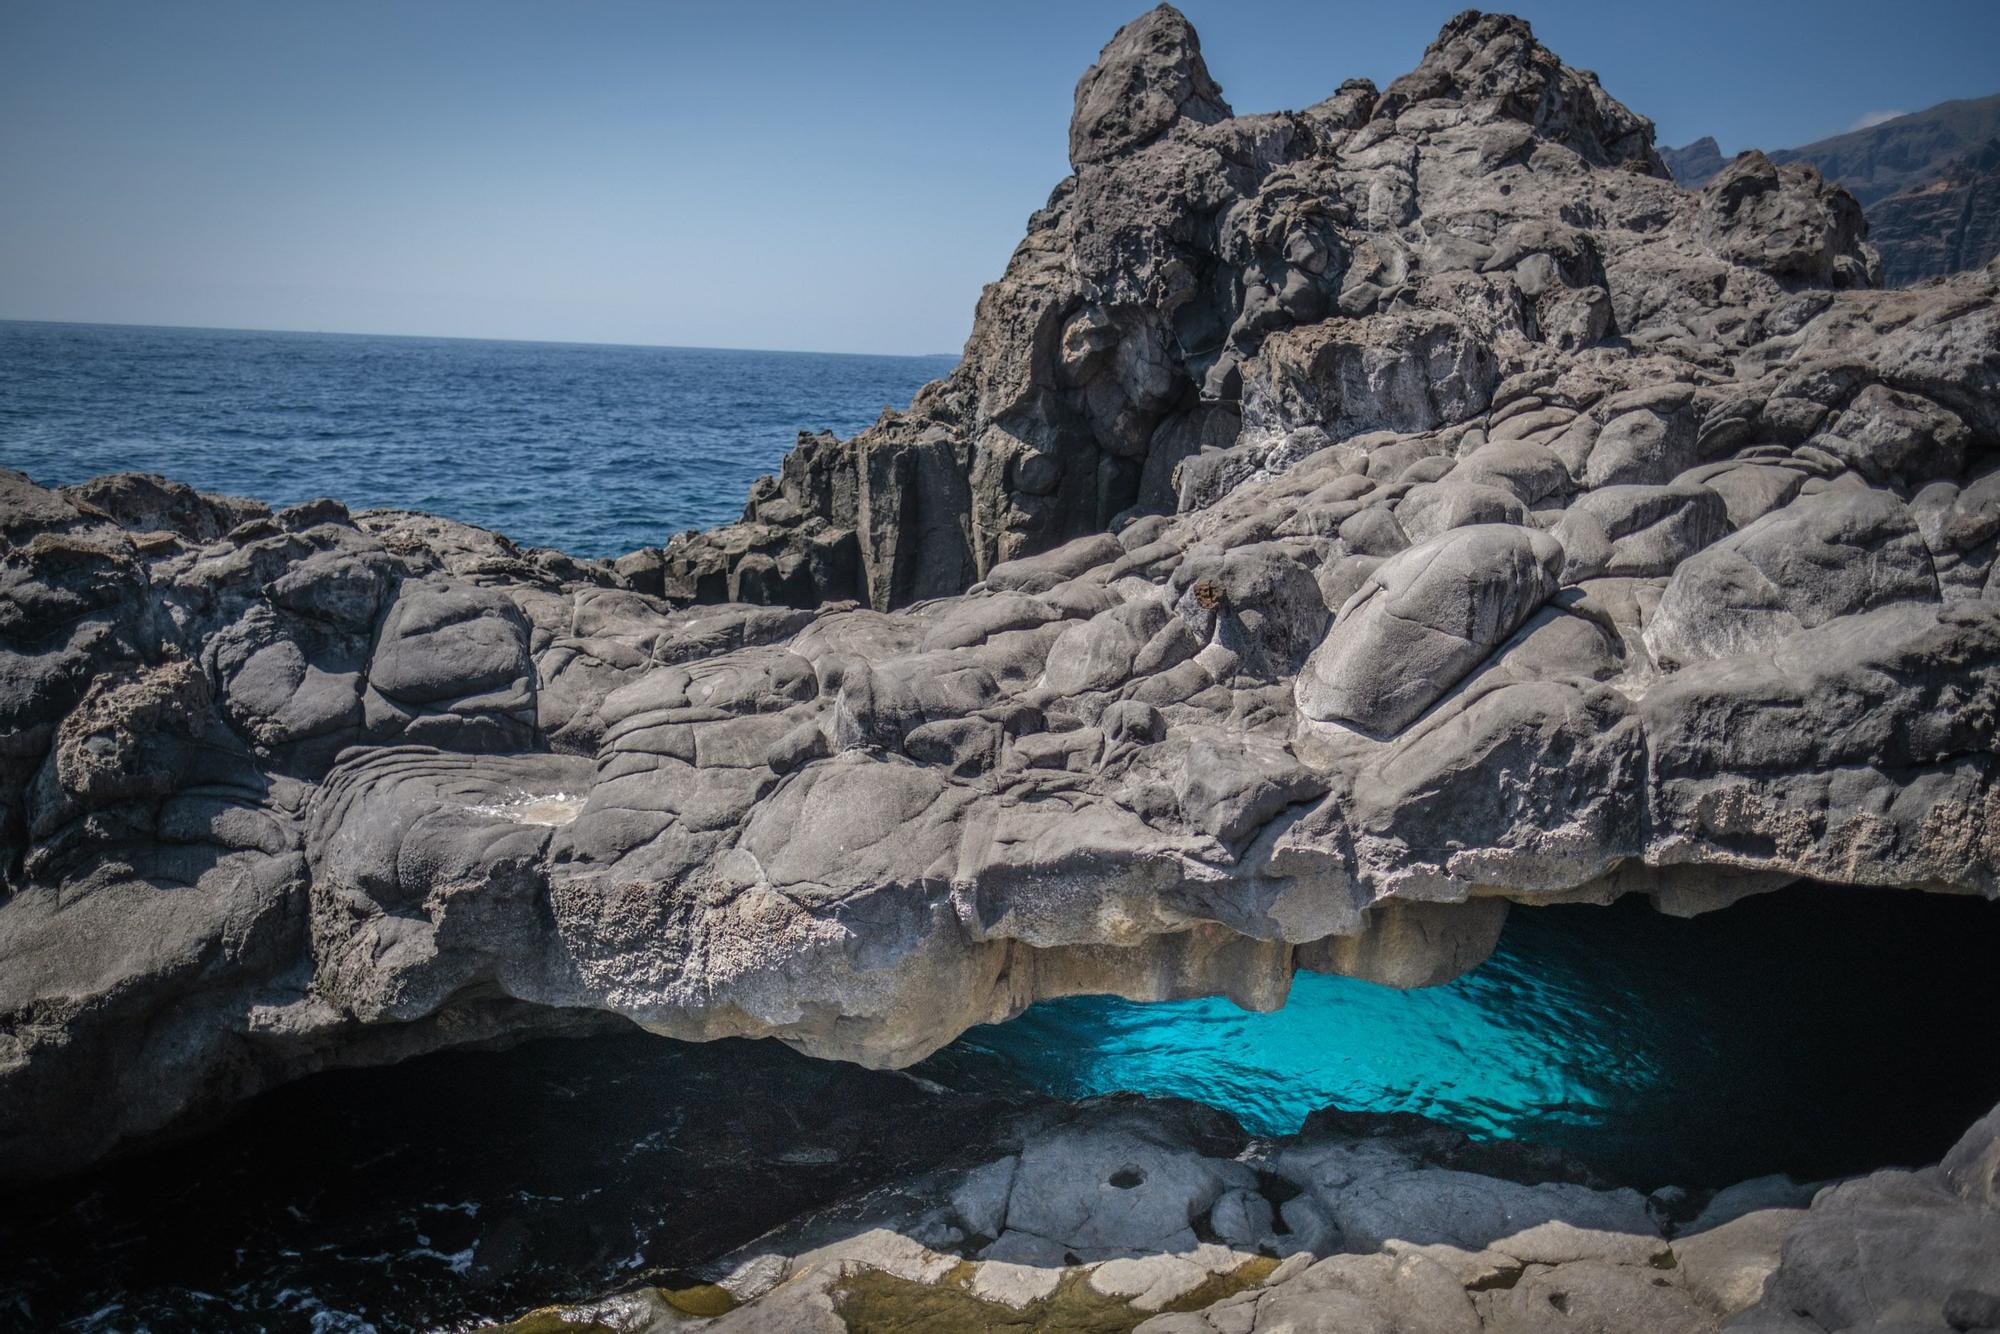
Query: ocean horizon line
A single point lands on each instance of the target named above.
(469, 338)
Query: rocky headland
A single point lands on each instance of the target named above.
(1343, 525)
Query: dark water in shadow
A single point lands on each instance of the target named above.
(1818, 1031)
(466, 1186)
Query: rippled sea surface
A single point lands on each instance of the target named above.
(1818, 1031)
(592, 449)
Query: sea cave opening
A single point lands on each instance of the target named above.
(1816, 1032)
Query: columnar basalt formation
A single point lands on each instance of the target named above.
(1343, 523)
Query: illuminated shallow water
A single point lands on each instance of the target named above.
(1817, 1031)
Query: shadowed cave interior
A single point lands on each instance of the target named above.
(1818, 1032)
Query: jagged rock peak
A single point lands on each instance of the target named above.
(1693, 164)
(1496, 209)
(1495, 60)
(1788, 221)
(1149, 77)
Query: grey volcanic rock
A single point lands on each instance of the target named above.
(1784, 220)
(1908, 1249)
(1148, 80)
(1163, 1216)
(1124, 338)
(1541, 531)
(1424, 619)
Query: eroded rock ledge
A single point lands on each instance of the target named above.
(1539, 532)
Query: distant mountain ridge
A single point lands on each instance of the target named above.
(1901, 154)
(1696, 164)
(1929, 182)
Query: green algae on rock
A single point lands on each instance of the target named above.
(875, 1302)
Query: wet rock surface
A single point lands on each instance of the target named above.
(1160, 1216)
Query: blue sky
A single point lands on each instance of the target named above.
(751, 174)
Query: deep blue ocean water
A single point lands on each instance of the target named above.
(596, 450)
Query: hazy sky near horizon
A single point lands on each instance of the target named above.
(762, 173)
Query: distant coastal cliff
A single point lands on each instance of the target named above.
(1929, 184)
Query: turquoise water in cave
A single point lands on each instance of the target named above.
(1459, 1052)
(1818, 1030)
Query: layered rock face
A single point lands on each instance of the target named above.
(1164, 1218)
(1530, 529)
(1945, 225)
(1899, 155)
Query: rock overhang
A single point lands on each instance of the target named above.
(1538, 532)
